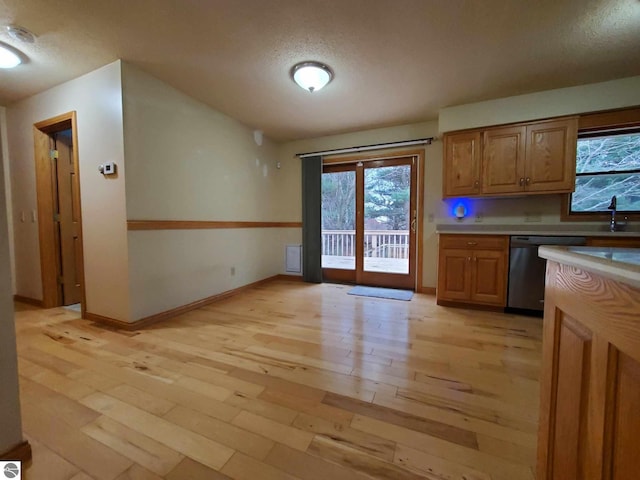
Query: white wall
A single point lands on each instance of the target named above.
(186, 161)
(10, 423)
(97, 99)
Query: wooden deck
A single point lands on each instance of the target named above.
(285, 381)
(384, 265)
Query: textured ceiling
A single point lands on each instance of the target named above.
(395, 61)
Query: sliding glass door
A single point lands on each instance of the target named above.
(368, 222)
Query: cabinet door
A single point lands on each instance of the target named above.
(461, 164)
(503, 151)
(551, 156)
(454, 274)
(489, 277)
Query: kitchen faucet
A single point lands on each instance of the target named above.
(613, 226)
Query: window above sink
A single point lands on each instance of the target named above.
(607, 165)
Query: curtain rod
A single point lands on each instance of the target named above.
(364, 148)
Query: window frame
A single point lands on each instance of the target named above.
(614, 121)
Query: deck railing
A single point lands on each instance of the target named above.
(377, 243)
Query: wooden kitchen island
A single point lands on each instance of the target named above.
(590, 380)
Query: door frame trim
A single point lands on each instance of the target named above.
(44, 188)
(419, 155)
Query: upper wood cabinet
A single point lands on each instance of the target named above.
(519, 159)
(551, 156)
(503, 160)
(462, 170)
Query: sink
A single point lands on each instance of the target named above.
(620, 255)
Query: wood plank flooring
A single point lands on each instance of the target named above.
(284, 381)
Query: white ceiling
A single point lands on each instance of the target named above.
(395, 61)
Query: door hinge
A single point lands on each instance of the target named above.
(56, 217)
(60, 280)
(53, 154)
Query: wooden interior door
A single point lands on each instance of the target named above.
(59, 210)
(67, 217)
(369, 223)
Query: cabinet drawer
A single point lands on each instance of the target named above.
(624, 242)
(485, 242)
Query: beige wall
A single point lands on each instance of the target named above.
(609, 95)
(97, 99)
(186, 161)
(10, 424)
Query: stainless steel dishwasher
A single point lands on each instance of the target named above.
(527, 270)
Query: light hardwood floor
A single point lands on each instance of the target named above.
(284, 381)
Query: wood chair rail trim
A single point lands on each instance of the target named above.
(204, 224)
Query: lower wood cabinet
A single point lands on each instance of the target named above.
(472, 269)
(590, 378)
(617, 242)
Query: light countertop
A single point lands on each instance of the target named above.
(538, 229)
(620, 264)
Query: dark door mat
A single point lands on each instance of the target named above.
(390, 293)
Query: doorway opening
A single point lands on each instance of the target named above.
(370, 212)
(59, 211)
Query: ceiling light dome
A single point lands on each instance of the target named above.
(20, 33)
(311, 76)
(8, 58)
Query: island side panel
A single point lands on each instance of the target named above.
(591, 377)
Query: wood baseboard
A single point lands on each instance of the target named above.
(29, 301)
(288, 278)
(159, 317)
(21, 452)
(427, 290)
(470, 306)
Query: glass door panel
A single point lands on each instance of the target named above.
(368, 222)
(339, 220)
(387, 219)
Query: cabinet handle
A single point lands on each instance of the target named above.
(528, 180)
(472, 243)
(522, 181)
(468, 259)
(476, 184)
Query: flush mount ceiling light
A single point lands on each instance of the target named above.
(20, 33)
(8, 58)
(311, 76)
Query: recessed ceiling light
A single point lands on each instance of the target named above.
(20, 33)
(8, 58)
(311, 76)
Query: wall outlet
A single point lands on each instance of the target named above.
(233, 271)
(430, 218)
(531, 217)
(479, 218)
